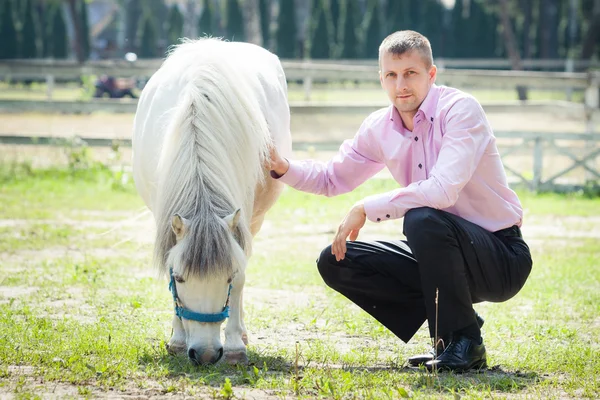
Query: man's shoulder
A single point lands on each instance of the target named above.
(380, 116)
(449, 98)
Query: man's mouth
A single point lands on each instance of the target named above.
(403, 96)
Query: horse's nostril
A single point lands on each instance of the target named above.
(192, 355)
(219, 354)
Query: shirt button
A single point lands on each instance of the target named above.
(387, 215)
(416, 139)
(378, 219)
(420, 165)
(431, 119)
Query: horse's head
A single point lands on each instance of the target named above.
(207, 261)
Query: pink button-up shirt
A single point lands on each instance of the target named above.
(449, 162)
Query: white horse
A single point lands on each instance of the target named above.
(202, 131)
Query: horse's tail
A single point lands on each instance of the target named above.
(215, 147)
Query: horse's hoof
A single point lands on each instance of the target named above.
(245, 338)
(176, 348)
(236, 358)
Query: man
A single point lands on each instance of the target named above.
(461, 220)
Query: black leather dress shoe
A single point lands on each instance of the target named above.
(421, 359)
(461, 355)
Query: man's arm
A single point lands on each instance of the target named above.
(467, 134)
(356, 161)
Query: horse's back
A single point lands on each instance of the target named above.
(160, 96)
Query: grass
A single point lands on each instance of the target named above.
(83, 315)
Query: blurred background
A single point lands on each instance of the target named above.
(71, 71)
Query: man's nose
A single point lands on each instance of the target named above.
(400, 83)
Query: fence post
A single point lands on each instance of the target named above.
(307, 83)
(538, 157)
(49, 86)
(592, 103)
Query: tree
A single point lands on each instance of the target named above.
(174, 25)
(8, 45)
(77, 34)
(148, 45)
(547, 25)
(374, 34)
(334, 6)
(29, 45)
(320, 47)
(350, 46)
(252, 28)
(205, 22)
(58, 44)
(235, 22)
(592, 36)
(265, 22)
(85, 29)
(511, 45)
(286, 30)
(133, 11)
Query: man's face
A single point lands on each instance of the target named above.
(406, 80)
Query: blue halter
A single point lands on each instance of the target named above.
(183, 312)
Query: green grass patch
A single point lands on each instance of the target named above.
(98, 321)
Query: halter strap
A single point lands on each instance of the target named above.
(183, 312)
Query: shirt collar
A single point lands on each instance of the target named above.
(429, 105)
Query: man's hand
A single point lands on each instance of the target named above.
(350, 226)
(278, 164)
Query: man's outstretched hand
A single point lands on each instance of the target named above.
(350, 227)
(278, 164)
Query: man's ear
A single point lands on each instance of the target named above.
(432, 74)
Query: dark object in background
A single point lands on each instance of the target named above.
(114, 88)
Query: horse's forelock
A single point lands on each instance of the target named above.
(207, 250)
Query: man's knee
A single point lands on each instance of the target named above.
(418, 219)
(327, 266)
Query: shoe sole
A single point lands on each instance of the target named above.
(477, 366)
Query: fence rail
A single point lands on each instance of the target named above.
(581, 149)
(311, 71)
(128, 106)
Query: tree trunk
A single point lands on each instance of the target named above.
(593, 33)
(548, 21)
(527, 8)
(252, 22)
(511, 45)
(77, 33)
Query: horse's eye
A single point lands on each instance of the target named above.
(179, 279)
(229, 280)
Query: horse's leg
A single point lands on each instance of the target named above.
(177, 344)
(244, 331)
(235, 332)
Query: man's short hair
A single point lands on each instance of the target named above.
(402, 42)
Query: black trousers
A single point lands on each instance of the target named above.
(396, 281)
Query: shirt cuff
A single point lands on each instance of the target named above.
(377, 208)
(292, 176)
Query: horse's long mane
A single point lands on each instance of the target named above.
(212, 157)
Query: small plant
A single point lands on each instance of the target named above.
(227, 389)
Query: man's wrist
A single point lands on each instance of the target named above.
(281, 167)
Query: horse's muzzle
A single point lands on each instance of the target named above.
(205, 357)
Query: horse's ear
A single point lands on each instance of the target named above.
(233, 219)
(179, 226)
